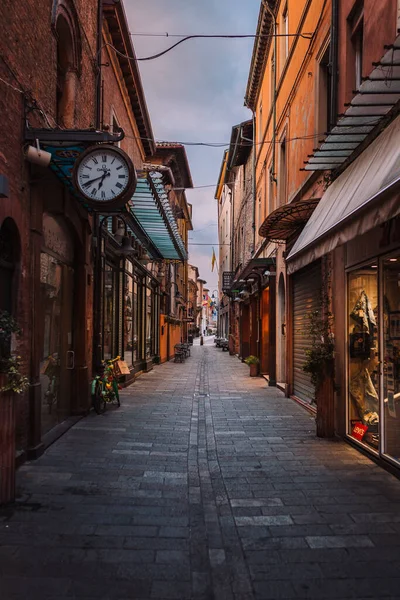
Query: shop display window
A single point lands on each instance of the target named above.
(391, 356)
(363, 355)
(128, 316)
(109, 310)
(135, 322)
(149, 321)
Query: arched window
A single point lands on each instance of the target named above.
(68, 61)
(9, 259)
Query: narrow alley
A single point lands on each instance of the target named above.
(205, 484)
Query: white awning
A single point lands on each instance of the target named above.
(366, 194)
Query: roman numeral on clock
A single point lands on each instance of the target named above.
(119, 185)
(104, 158)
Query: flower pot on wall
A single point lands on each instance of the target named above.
(7, 444)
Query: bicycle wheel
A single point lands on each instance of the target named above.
(98, 401)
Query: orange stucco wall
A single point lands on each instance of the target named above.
(297, 84)
(174, 338)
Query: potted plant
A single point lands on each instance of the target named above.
(12, 382)
(319, 364)
(254, 364)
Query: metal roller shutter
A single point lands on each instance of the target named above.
(306, 298)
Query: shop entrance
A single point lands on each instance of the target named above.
(281, 337)
(57, 356)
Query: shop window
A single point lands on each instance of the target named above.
(391, 356)
(363, 342)
(135, 322)
(149, 323)
(128, 315)
(109, 312)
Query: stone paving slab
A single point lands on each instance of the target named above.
(204, 485)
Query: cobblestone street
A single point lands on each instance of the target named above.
(205, 484)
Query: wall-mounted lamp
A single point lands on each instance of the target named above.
(36, 155)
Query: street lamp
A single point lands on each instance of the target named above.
(125, 250)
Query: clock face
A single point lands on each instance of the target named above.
(105, 176)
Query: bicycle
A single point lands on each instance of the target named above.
(105, 387)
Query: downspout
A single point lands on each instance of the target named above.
(254, 182)
(269, 9)
(334, 62)
(98, 54)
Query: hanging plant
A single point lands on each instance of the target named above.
(9, 364)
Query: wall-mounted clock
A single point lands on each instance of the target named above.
(104, 177)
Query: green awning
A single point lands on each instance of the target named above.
(151, 209)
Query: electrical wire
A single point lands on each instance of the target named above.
(247, 145)
(306, 36)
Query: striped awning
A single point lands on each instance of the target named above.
(151, 209)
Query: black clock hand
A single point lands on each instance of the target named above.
(106, 174)
(92, 180)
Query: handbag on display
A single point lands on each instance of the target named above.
(360, 345)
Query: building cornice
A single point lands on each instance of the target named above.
(260, 53)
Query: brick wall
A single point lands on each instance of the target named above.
(28, 62)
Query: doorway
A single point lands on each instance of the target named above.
(281, 337)
(57, 355)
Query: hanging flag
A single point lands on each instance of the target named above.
(213, 260)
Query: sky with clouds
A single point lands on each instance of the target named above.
(196, 92)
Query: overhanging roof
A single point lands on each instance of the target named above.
(260, 53)
(117, 22)
(150, 208)
(365, 195)
(240, 148)
(255, 266)
(375, 98)
(283, 222)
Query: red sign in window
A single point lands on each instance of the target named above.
(359, 431)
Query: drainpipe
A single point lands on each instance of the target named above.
(98, 50)
(254, 182)
(269, 9)
(334, 62)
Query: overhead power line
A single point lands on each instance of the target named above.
(306, 36)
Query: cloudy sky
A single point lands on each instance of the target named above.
(196, 91)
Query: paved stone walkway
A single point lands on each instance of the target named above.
(205, 484)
